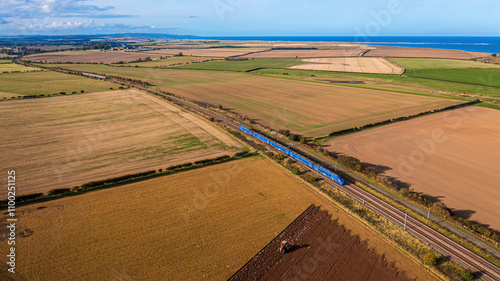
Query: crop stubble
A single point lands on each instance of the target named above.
(199, 224)
(348, 64)
(62, 142)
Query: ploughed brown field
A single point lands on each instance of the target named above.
(91, 56)
(204, 52)
(358, 65)
(321, 249)
(65, 141)
(402, 52)
(202, 224)
(451, 156)
(306, 53)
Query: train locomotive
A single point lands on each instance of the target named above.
(295, 156)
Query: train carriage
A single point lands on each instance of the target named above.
(260, 137)
(301, 159)
(295, 156)
(279, 147)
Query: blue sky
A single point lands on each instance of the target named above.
(252, 17)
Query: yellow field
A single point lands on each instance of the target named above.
(202, 224)
(357, 65)
(64, 141)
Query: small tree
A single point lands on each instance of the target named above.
(431, 258)
(302, 140)
(295, 170)
(467, 275)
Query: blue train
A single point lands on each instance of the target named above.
(295, 156)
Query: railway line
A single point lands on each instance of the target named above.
(481, 267)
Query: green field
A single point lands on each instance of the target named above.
(6, 66)
(49, 83)
(487, 77)
(418, 63)
(244, 65)
(405, 84)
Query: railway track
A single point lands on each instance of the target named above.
(481, 267)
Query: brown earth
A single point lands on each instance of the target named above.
(91, 56)
(64, 141)
(321, 250)
(452, 156)
(357, 65)
(403, 52)
(306, 53)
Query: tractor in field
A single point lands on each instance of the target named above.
(285, 247)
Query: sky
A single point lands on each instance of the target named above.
(252, 17)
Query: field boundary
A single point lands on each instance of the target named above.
(122, 180)
(394, 120)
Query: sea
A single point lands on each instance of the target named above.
(489, 44)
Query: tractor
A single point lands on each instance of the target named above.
(285, 247)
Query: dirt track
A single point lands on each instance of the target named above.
(322, 250)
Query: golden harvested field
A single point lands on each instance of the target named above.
(172, 227)
(91, 56)
(61, 142)
(358, 65)
(207, 52)
(452, 156)
(306, 53)
(402, 52)
(308, 108)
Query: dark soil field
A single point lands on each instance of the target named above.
(321, 250)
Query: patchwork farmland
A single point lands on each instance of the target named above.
(96, 136)
(207, 52)
(354, 52)
(452, 157)
(190, 233)
(303, 107)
